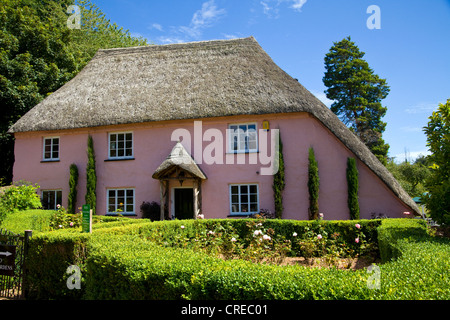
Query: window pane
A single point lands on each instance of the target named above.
(244, 189)
(113, 138)
(58, 197)
(253, 198)
(128, 152)
(234, 208)
(254, 207)
(111, 208)
(112, 193)
(234, 199)
(55, 155)
(244, 199)
(234, 189)
(120, 153)
(120, 137)
(130, 193)
(130, 208)
(242, 129)
(253, 188)
(244, 208)
(129, 136)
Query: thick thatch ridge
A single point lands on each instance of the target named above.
(187, 81)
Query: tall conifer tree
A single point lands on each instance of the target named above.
(357, 93)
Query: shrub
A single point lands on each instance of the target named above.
(353, 185)
(279, 181)
(18, 197)
(50, 254)
(313, 186)
(91, 177)
(151, 211)
(73, 182)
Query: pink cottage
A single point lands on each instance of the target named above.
(194, 127)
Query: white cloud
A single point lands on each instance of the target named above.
(203, 18)
(156, 26)
(298, 4)
(410, 156)
(271, 7)
(411, 129)
(423, 107)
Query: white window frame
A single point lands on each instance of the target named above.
(240, 203)
(117, 157)
(52, 144)
(246, 135)
(55, 191)
(117, 204)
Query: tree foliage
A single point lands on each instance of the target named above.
(438, 183)
(39, 54)
(313, 186)
(411, 176)
(357, 93)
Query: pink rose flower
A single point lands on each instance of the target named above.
(357, 240)
(319, 236)
(358, 226)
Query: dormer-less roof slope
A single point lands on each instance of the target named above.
(187, 81)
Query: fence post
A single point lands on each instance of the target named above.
(26, 244)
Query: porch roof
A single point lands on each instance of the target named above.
(179, 158)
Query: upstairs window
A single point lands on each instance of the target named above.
(51, 149)
(121, 145)
(243, 138)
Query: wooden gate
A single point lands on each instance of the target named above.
(13, 250)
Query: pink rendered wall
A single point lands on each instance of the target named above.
(152, 144)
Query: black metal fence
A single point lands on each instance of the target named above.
(13, 250)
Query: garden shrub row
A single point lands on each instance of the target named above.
(157, 260)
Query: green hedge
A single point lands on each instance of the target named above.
(394, 229)
(124, 261)
(50, 254)
(36, 220)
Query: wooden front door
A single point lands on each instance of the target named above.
(184, 203)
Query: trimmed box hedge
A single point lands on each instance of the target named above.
(129, 262)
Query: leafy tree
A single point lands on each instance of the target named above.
(438, 184)
(411, 176)
(353, 186)
(39, 54)
(357, 93)
(313, 186)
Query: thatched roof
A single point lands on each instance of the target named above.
(187, 81)
(178, 158)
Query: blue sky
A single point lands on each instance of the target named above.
(411, 49)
